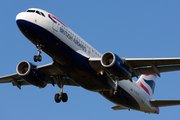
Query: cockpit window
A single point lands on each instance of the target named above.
(42, 14)
(38, 12)
(30, 10)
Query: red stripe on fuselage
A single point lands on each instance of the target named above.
(57, 19)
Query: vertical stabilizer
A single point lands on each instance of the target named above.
(147, 82)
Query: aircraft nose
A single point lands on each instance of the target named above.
(29, 26)
(19, 16)
(24, 24)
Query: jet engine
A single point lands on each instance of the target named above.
(115, 65)
(30, 73)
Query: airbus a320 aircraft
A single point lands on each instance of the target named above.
(77, 63)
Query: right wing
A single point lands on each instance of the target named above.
(49, 70)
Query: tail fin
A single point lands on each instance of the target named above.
(147, 82)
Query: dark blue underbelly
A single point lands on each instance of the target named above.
(70, 62)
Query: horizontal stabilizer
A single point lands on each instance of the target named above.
(118, 108)
(164, 103)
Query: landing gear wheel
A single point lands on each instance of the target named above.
(59, 80)
(37, 58)
(57, 98)
(64, 97)
(39, 49)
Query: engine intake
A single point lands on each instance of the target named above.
(115, 65)
(30, 73)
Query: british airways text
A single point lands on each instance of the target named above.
(70, 37)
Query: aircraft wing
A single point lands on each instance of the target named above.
(164, 103)
(49, 70)
(138, 66)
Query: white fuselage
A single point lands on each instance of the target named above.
(75, 42)
(139, 95)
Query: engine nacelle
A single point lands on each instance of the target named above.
(31, 74)
(115, 65)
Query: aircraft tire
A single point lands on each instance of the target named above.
(57, 98)
(35, 58)
(39, 58)
(64, 97)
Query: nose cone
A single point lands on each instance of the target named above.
(18, 16)
(25, 25)
(19, 19)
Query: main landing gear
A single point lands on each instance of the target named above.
(60, 96)
(39, 49)
(114, 91)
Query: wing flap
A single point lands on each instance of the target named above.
(164, 103)
(21, 82)
(139, 62)
(149, 69)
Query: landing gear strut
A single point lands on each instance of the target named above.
(39, 49)
(113, 91)
(60, 96)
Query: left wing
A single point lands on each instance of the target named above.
(153, 65)
(48, 70)
(138, 66)
(164, 103)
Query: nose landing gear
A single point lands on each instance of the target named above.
(39, 49)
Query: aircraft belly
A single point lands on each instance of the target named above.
(53, 46)
(86, 77)
(69, 61)
(125, 99)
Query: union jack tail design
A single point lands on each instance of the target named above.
(147, 82)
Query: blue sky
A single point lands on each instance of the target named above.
(131, 29)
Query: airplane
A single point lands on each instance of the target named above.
(77, 63)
